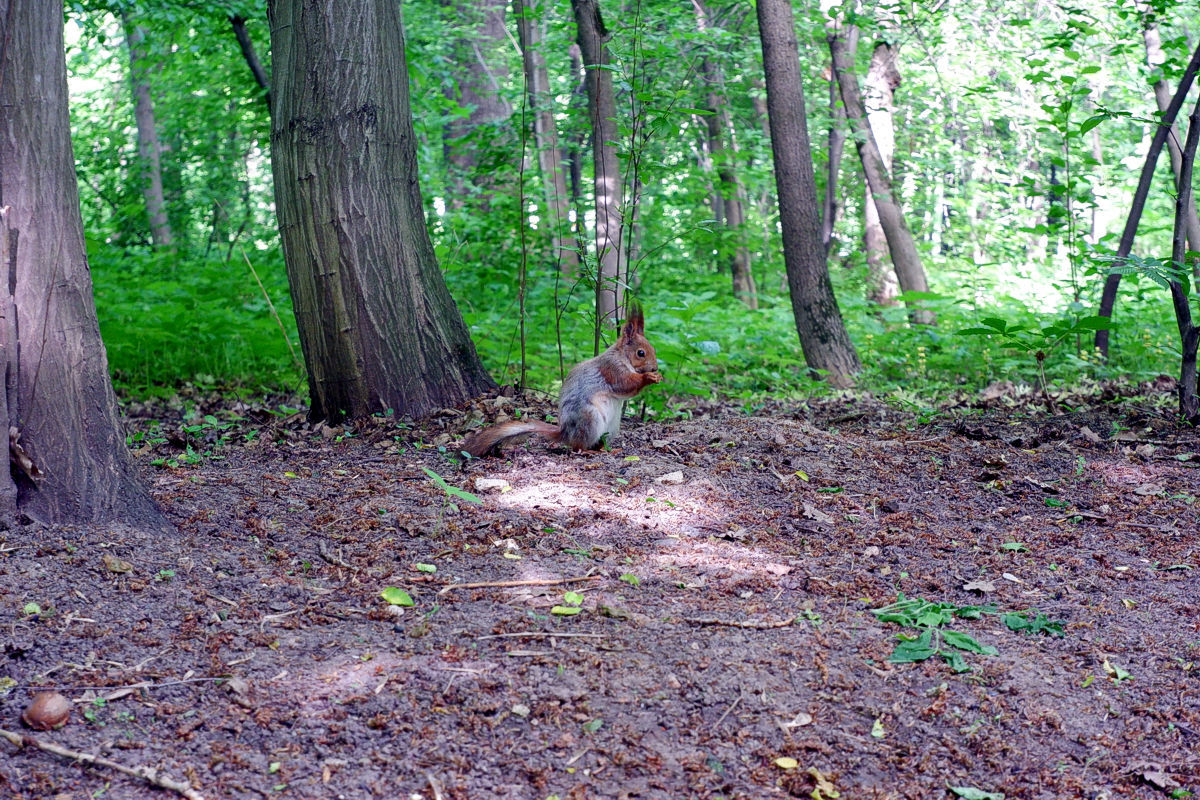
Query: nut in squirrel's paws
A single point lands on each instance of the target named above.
(654, 377)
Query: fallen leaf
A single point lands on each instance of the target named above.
(396, 596)
(670, 479)
(877, 729)
(114, 564)
(971, 793)
(1090, 435)
(1008, 576)
(1149, 489)
(1155, 775)
(824, 787)
(492, 485)
(1115, 672)
(786, 762)
(816, 514)
(799, 721)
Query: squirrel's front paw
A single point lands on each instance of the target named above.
(654, 377)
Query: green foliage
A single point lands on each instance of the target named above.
(1015, 136)
(1032, 622)
(450, 491)
(934, 638)
(205, 322)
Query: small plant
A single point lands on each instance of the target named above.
(1033, 622)
(1039, 342)
(92, 714)
(934, 638)
(451, 491)
(570, 605)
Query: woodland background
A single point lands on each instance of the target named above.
(1020, 128)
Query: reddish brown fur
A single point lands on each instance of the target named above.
(589, 404)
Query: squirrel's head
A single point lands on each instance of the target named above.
(633, 341)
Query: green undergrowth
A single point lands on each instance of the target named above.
(170, 321)
(712, 348)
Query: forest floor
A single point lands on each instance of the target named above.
(725, 571)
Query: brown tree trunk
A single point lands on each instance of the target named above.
(545, 135)
(1162, 96)
(907, 263)
(58, 401)
(1189, 336)
(246, 45)
(612, 279)
(823, 336)
(881, 83)
(379, 329)
(729, 182)
(149, 146)
(1108, 297)
(480, 62)
(837, 146)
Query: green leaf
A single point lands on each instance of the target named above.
(593, 726)
(1092, 122)
(971, 793)
(912, 650)
(968, 643)
(565, 611)
(573, 598)
(425, 567)
(396, 596)
(453, 491)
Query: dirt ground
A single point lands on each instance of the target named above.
(689, 616)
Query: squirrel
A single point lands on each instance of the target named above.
(589, 405)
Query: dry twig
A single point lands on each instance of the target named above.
(510, 584)
(756, 624)
(149, 774)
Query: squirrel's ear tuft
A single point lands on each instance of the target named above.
(635, 323)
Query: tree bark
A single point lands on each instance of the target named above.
(837, 146)
(480, 62)
(58, 403)
(882, 79)
(823, 336)
(1189, 336)
(545, 135)
(149, 146)
(1162, 96)
(907, 263)
(612, 277)
(246, 44)
(378, 327)
(720, 127)
(1108, 297)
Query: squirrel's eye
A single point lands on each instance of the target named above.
(641, 353)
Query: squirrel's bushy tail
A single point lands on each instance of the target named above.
(482, 442)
